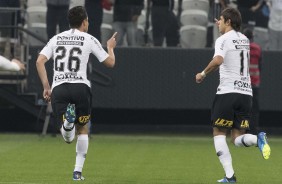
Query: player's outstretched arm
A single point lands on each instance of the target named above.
(111, 44)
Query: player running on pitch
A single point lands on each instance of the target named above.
(71, 92)
(233, 101)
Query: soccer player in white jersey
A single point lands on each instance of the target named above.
(14, 65)
(70, 94)
(232, 104)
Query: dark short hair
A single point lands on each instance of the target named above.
(248, 33)
(76, 16)
(234, 16)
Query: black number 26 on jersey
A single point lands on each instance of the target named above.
(73, 62)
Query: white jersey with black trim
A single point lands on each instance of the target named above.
(234, 47)
(70, 51)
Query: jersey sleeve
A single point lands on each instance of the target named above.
(47, 50)
(220, 47)
(97, 50)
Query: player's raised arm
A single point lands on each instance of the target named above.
(111, 44)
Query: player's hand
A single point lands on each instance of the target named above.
(199, 78)
(47, 95)
(111, 43)
(20, 64)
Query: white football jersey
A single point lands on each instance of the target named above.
(70, 51)
(234, 47)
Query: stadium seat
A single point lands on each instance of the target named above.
(40, 30)
(145, 4)
(36, 14)
(193, 36)
(140, 35)
(261, 37)
(194, 17)
(142, 18)
(106, 33)
(175, 5)
(6, 21)
(74, 3)
(196, 5)
(31, 3)
(107, 16)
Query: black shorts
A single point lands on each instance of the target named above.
(74, 93)
(231, 110)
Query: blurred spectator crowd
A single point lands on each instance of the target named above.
(155, 23)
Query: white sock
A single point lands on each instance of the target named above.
(68, 135)
(81, 151)
(246, 140)
(223, 154)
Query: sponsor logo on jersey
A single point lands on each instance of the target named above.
(71, 38)
(245, 78)
(247, 47)
(67, 77)
(70, 43)
(242, 86)
(241, 42)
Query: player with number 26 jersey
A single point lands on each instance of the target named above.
(70, 51)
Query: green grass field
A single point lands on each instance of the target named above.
(132, 159)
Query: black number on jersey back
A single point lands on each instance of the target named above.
(73, 61)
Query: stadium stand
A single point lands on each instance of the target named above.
(107, 16)
(31, 3)
(193, 36)
(196, 5)
(261, 37)
(194, 17)
(76, 3)
(36, 14)
(194, 21)
(106, 33)
(40, 30)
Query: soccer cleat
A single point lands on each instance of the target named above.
(70, 113)
(263, 145)
(228, 180)
(77, 176)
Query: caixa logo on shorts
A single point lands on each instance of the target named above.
(83, 119)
